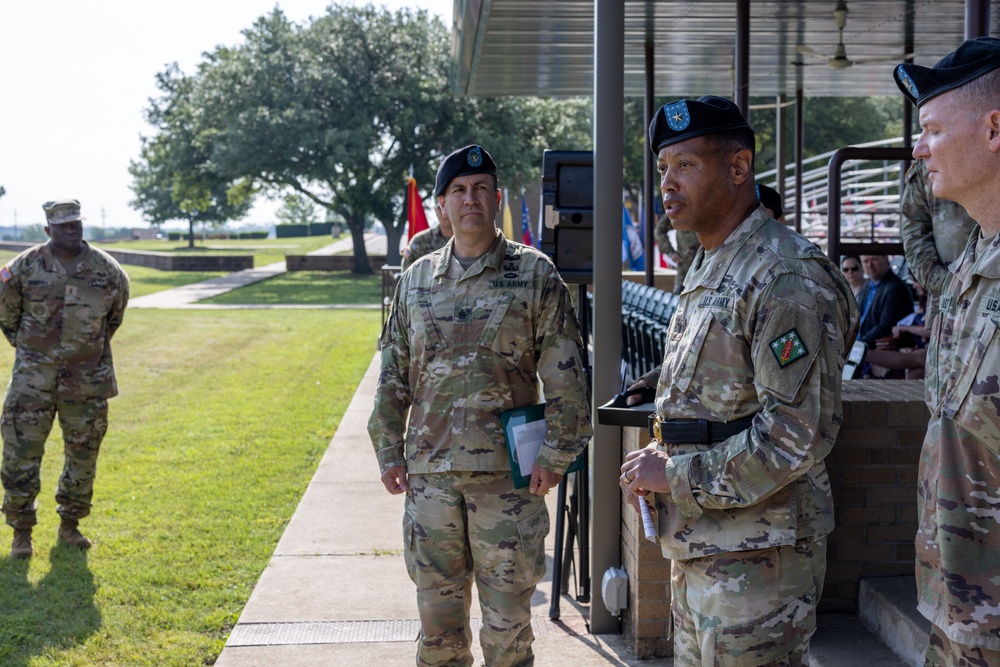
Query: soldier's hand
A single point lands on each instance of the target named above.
(638, 398)
(644, 471)
(542, 479)
(394, 480)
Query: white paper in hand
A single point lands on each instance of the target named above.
(528, 439)
(647, 520)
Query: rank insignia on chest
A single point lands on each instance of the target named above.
(5, 274)
(788, 347)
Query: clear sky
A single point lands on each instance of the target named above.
(76, 76)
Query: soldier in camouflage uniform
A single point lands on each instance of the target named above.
(427, 241)
(958, 533)
(472, 328)
(60, 304)
(747, 405)
(934, 233)
(683, 255)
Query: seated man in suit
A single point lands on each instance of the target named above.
(884, 302)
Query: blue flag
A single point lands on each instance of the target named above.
(525, 223)
(633, 254)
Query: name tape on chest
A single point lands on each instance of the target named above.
(716, 301)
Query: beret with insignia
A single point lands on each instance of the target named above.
(463, 162)
(686, 119)
(62, 211)
(969, 61)
(770, 198)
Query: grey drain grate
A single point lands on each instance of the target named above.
(354, 632)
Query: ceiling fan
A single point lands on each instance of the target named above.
(840, 59)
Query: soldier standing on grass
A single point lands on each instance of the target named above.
(60, 304)
(747, 404)
(958, 529)
(473, 327)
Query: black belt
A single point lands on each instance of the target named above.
(691, 431)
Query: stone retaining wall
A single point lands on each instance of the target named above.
(164, 261)
(330, 262)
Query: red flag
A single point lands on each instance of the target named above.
(416, 218)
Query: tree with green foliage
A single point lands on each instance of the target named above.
(296, 210)
(339, 108)
(174, 178)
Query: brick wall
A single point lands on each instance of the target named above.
(644, 622)
(873, 475)
(330, 262)
(164, 261)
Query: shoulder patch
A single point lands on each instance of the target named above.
(788, 347)
(5, 273)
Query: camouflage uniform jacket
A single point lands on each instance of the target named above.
(421, 244)
(687, 247)
(761, 330)
(462, 346)
(61, 323)
(958, 536)
(935, 231)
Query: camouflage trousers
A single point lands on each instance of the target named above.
(25, 424)
(464, 524)
(943, 652)
(747, 608)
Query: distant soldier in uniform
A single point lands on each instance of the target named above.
(958, 534)
(682, 255)
(747, 404)
(60, 304)
(472, 329)
(427, 241)
(771, 200)
(935, 231)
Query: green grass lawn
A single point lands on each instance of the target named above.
(307, 288)
(220, 424)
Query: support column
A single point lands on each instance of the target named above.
(742, 93)
(977, 18)
(605, 454)
(799, 121)
(781, 144)
(649, 183)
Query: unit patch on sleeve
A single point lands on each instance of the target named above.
(5, 274)
(788, 347)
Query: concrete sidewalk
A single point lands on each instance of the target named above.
(188, 296)
(336, 590)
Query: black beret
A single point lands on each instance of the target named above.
(969, 61)
(770, 198)
(686, 119)
(463, 162)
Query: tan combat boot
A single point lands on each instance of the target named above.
(21, 547)
(71, 535)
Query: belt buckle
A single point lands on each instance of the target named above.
(656, 430)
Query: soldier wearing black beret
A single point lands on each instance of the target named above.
(747, 404)
(473, 328)
(958, 535)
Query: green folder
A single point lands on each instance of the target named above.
(524, 434)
